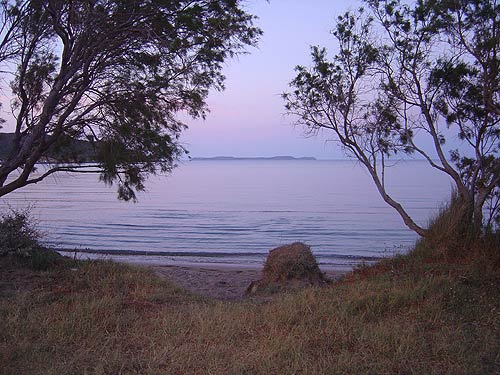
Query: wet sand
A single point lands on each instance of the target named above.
(220, 282)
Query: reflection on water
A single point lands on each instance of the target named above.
(240, 209)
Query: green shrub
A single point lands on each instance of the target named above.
(18, 233)
(20, 238)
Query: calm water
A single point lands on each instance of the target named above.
(236, 211)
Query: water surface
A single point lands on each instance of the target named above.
(236, 211)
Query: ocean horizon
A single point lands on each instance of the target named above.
(235, 211)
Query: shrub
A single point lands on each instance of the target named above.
(18, 233)
(20, 238)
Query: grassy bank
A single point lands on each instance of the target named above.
(431, 312)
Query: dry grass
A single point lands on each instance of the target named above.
(288, 268)
(403, 317)
(294, 261)
(416, 314)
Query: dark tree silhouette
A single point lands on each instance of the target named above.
(115, 74)
(406, 73)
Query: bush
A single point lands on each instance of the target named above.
(20, 238)
(18, 233)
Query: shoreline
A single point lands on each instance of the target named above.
(218, 280)
(196, 260)
(223, 282)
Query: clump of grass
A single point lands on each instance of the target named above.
(451, 235)
(448, 230)
(288, 267)
(452, 240)
(294, 261)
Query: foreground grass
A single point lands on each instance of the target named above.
(418, 314)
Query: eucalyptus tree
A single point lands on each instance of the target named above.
(406, 76)
(114, 74)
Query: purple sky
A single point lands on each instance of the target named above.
(247, 119)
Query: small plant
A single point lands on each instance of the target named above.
(18, 233)
(20, 238)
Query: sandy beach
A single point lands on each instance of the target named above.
(225, 282)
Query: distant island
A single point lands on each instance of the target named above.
(255, 158)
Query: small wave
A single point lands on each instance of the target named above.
(210, 254)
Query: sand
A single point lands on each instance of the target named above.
(217, 281)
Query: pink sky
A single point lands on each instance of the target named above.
(247, 118)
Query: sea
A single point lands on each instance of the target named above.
(233, 212)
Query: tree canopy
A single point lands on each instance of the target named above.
(115, 74)
(409, 74)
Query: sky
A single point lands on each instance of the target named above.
(247, 118)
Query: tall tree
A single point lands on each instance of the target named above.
(407, 75)
(113, 73)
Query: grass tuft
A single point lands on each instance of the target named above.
(288, 267)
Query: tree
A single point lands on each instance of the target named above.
(115, 74)
(406, 75)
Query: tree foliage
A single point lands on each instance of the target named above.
(113, 73)
(407, 75)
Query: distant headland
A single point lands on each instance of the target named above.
(255, 158)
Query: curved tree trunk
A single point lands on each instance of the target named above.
(409, 222)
